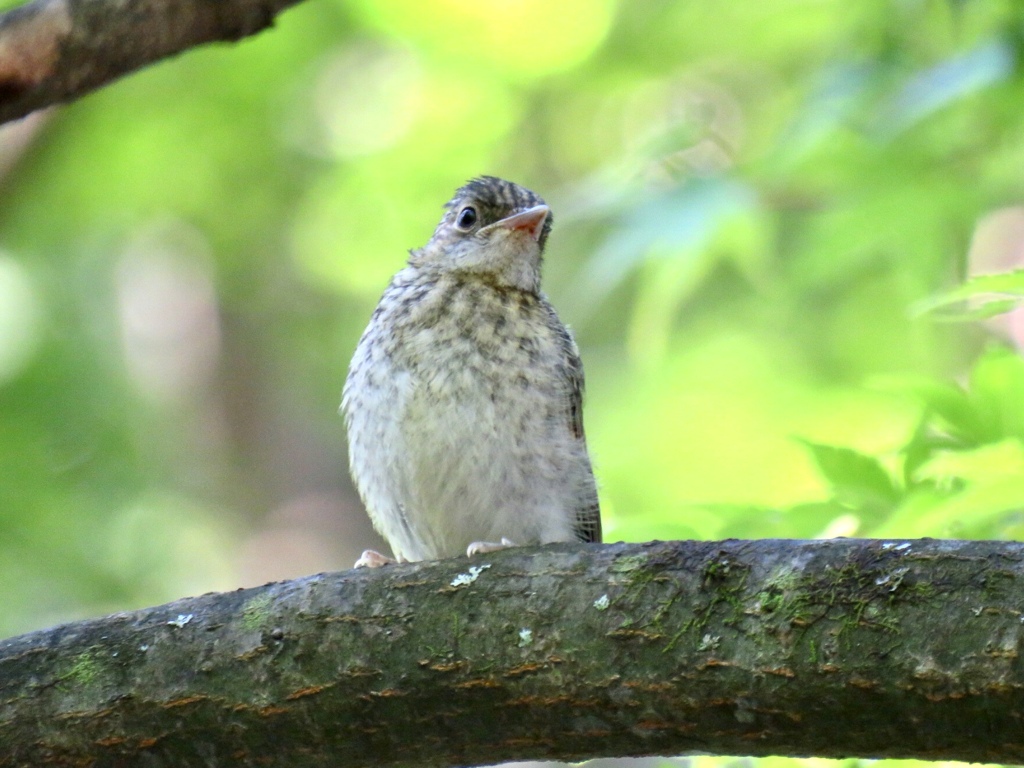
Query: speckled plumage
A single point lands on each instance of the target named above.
(464, 396)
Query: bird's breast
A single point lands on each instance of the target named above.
(470, 416)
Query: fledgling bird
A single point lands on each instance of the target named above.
(464, 396)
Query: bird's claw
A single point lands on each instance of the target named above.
(371, 558)
(483, 547)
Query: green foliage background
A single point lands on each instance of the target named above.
(751, 201)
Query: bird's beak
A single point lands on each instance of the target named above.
(531, 221)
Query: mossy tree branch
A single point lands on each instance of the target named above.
(52, 51)
(829, 648)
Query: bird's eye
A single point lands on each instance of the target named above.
(466, 218)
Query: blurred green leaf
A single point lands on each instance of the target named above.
(997, 393)
(671, 225)
(856, 478)
(955, 410)
(977, 465)
(1011, 283)
(971, 510)
(981, 311)
(945, 83)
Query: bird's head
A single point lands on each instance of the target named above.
(491, 228)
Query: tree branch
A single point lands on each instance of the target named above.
(56, 50)
(829, 648)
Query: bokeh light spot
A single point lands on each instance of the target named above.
(519, 38)
(20, 316)
(368, 98)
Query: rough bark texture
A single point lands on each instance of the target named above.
(55, 50)
(829, 648)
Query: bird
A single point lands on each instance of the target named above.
(464, 397)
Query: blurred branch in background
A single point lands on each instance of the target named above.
(53, 51)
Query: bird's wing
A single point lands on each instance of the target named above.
(587, 524)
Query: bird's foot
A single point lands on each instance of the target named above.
(483, 547)
(371, 558)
